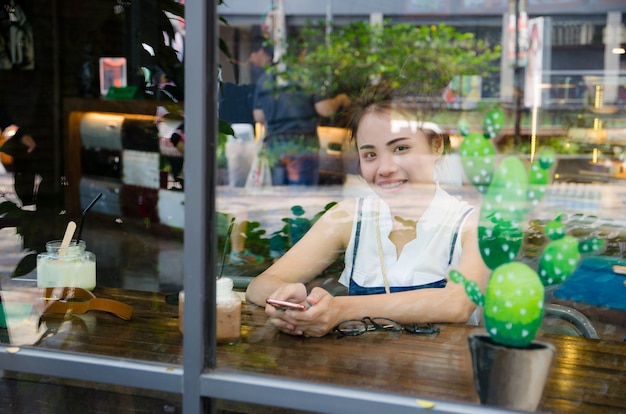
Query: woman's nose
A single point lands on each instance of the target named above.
(387, 165)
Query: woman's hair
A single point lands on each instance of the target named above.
(382, 98)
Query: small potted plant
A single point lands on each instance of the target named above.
(510, 366)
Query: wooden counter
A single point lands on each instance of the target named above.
(587, 375)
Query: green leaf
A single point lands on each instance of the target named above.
(26, 265)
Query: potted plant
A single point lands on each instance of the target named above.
(510, 366)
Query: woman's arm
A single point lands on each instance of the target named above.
(449, 304)
(319, 248)
(328, 107)
(259, 116)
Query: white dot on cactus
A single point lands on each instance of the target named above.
(494, 308)
(498, 216)
(543, 272)
(559, 256)
(548, 257)
(540, 304)
(508, 326)
(476, 178)
(558, 270)
(505, 247)
(487, 160)
(525, 333)
(522, 311)
(550, 280)
(571, 262)
(512, 208)
(518, 292)
(585, 247)
(493, 331)
(498, 293)
(500, 278)
(508, 304)
(487, 251)
(511, 255)
(531, 194)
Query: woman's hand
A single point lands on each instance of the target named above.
(317, 320)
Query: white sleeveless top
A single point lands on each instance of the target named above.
(426, 259)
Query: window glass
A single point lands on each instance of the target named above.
(91, 107)
(554, 127)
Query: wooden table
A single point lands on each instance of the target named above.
(587, 375)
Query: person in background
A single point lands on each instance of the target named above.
(260, 58)
(20, 145)
(290, 117)
(399, 242)
(238, 98)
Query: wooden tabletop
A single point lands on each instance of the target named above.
(587, 375)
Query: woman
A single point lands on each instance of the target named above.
(400, 243)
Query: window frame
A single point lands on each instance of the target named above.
(197, 380)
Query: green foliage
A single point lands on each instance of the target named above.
(294, 229)
(560, 145)
(418, 60)
(297, 145)
(280, 241)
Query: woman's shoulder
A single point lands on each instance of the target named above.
(343, 209)
(455, 201)
(341, 214)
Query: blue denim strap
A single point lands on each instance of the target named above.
(357, 234)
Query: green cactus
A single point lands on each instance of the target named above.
(514, 297)
(478, 159)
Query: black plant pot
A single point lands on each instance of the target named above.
(510, 377)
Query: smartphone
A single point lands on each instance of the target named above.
(284, 305)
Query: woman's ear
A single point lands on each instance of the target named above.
(436, 144)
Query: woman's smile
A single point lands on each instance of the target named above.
(391, 184)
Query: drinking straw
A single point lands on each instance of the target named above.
(82, 217)
(230, 229)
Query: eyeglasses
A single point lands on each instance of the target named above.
(355, 327)
(421, 328)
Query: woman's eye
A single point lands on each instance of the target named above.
(401, 148)
(367, 155)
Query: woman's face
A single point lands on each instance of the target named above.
(395, 155)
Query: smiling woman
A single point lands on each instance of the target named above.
(399, 243)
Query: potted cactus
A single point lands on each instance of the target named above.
(510, 366)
